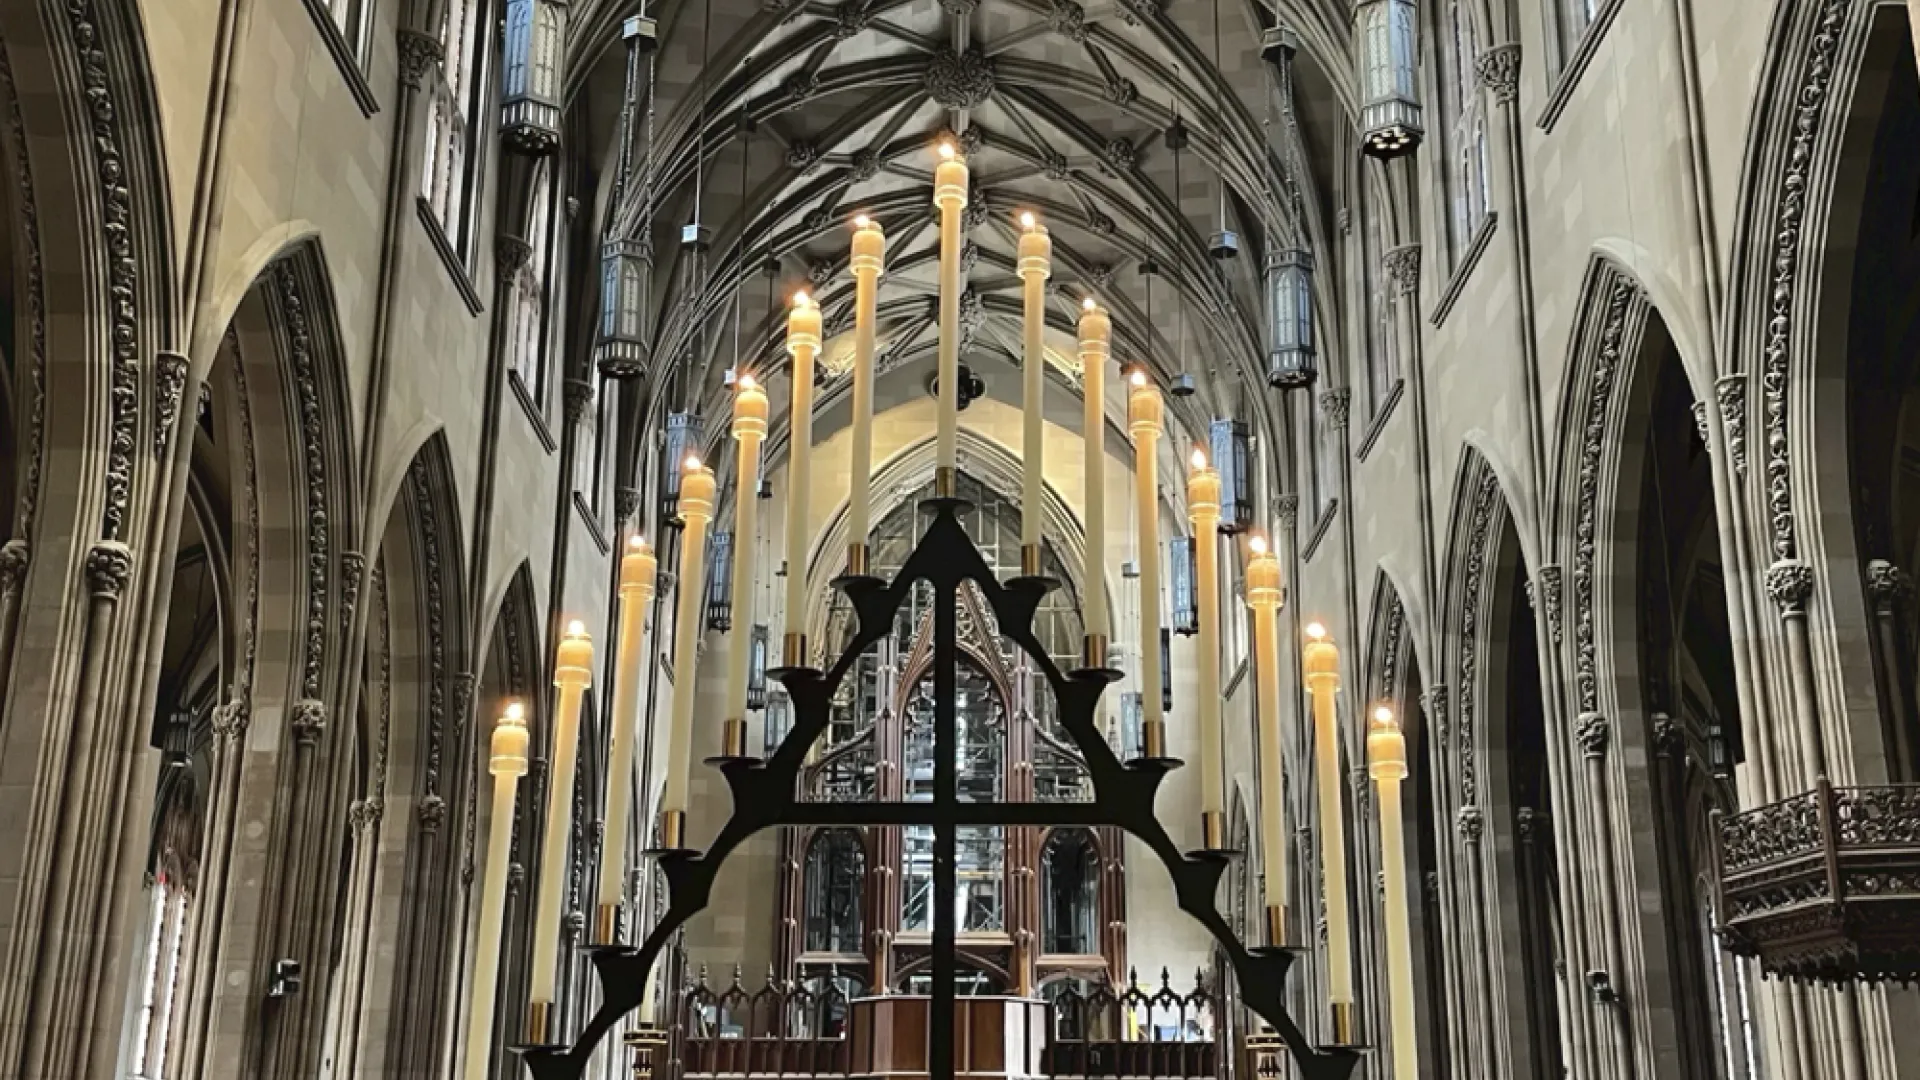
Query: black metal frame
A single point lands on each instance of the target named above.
(765, 795)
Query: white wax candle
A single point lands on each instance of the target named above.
(639, 570)
(1095, 331)
(867, 262)
(1203, 509)
(696, 513)
(573, 670)
(950, 195)
(803, 342)
(1035, 266)
(1263, 597)
(1387, 763)
(1146, 417)
(1321, 664)
(749, 428)
(508, 765)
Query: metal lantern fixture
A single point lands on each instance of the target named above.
(1180, 577)
(626, 279)
(720, 582)
(1233, 458)
(1390, 109)
(1289, 288)
(778, 721)
(530, 103)
(757, 667)
(683, 434)
(1166, 668)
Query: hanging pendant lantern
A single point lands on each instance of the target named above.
(1290, 319)
(683, 433)
(1390, 109)
(626, 279)
(757, 667)
(1166, 669)
(1133, 722)
(778, 720)
(1233, 459)
(720, 582)
(1180, 579)
(530, 101)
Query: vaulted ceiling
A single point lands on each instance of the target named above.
(773, 123)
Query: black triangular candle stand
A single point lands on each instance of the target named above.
(765, 795)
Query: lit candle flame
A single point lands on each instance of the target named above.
(636, 541)
(515, 710)
(1199, 459)
(1028, 221)
(745, 382)
(862, 221)
(947, 151)
(801, 299)
(692, 463)
(1383, 715)
(1316, 631)
(1089, 303)
(1257, 544)
(576, 628)
(1139, 378)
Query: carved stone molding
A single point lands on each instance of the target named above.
(15, 557)
(1402, 265)
(169, 382)
(1546, 582)
(800, 85)
(109, 565)
(1524, 823)
(1336, 405)
(1499, 71)
(419, 54)
(1593, 731)
(1789, 583)
(431, 813)
(959, 79)
(1731, 391)
(1120, 91)
(516, 877)
(309, 721)
(850, 19)
(1486, 501)
(353, 569)
(1435, 701)
(1887, 585)
(300, 364)
(32, 381)
(1119, 155)
(802, 155)
(1622, 297)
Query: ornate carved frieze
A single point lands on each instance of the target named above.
(800, 85)
(1055, 167)
(1810, 106)
(250, 484)
(1121, 92)
(1436, 704)
(1402, 265)
(1396, 623)
(432, 574)
(308, 722)
(1731, 390)
(1499, 71)
(959, 78)
(420, 54)
(300, 365)
(1593, 731)
(229, 721)
(1700, 422)
(34, 311)
(1621, 297)
(849, 20)
(1473, 585)
(1789, 583)
(864, 165)
(109, 565)
(117, 231)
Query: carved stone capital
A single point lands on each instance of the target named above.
(1402, 265)
(511, 254)
(1668, 740)
(432, 813)
(419, 54)
(229, 720)
(1336, 406)
(1700, 422)
(626, 505)
(1288, 507)
(169, 382)
(309, 720)
(1525, 820)
(1499, 71)
(1593, 731)
(1887, 585)
(1789, 583)
(1471, 823)
(464, 684)
(578, 397)
(109, 565)
(14, 559)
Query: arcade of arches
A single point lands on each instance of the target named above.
(320, 419)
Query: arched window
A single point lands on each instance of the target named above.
(454, 96)
(589, 454)
(526, 344)
(353, 17)
(1070, 873)
(1466, 125)
(1572, 18)
(167, 921)
(836, 869)
(980, 902)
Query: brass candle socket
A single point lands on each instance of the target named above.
(857, 560)
(946, 484)
(1213, 830)
(1277, 925)
(793, 648)
(1343, 1014)
(606, 924)
(1153, 739)
(733, 738)
(1030, 560)
(539, 1015)
(1094, 655)
(673, 830)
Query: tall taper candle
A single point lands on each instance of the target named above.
(508, 764)
(950, 195)
(1321, 664)
(1146, 418)
(868, 262)
(1034, 266)
(696, 513)
(803, 342)
(1264, 598)
(572, 672)
(1096, 330)
(749, 427)
(1387, 763)
(1203, 510)
(638, 572)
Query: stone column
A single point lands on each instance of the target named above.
(14, 561)
(1887, 588)
(1594, 731)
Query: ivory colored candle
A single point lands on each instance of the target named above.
(1203, 510)
(749, 428)
(696, 513)
(803, 342)
(1146, 418)
(639, 570)
(950, 196)
(1096, 332)
(573, 670)
(507, 764)
(1035, 265)
(1321, 663)
(867, 263)
(1387, 764)
(1263, 597)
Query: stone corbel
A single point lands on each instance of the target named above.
(169, 383)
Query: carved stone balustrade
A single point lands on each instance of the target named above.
(1825, 886)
